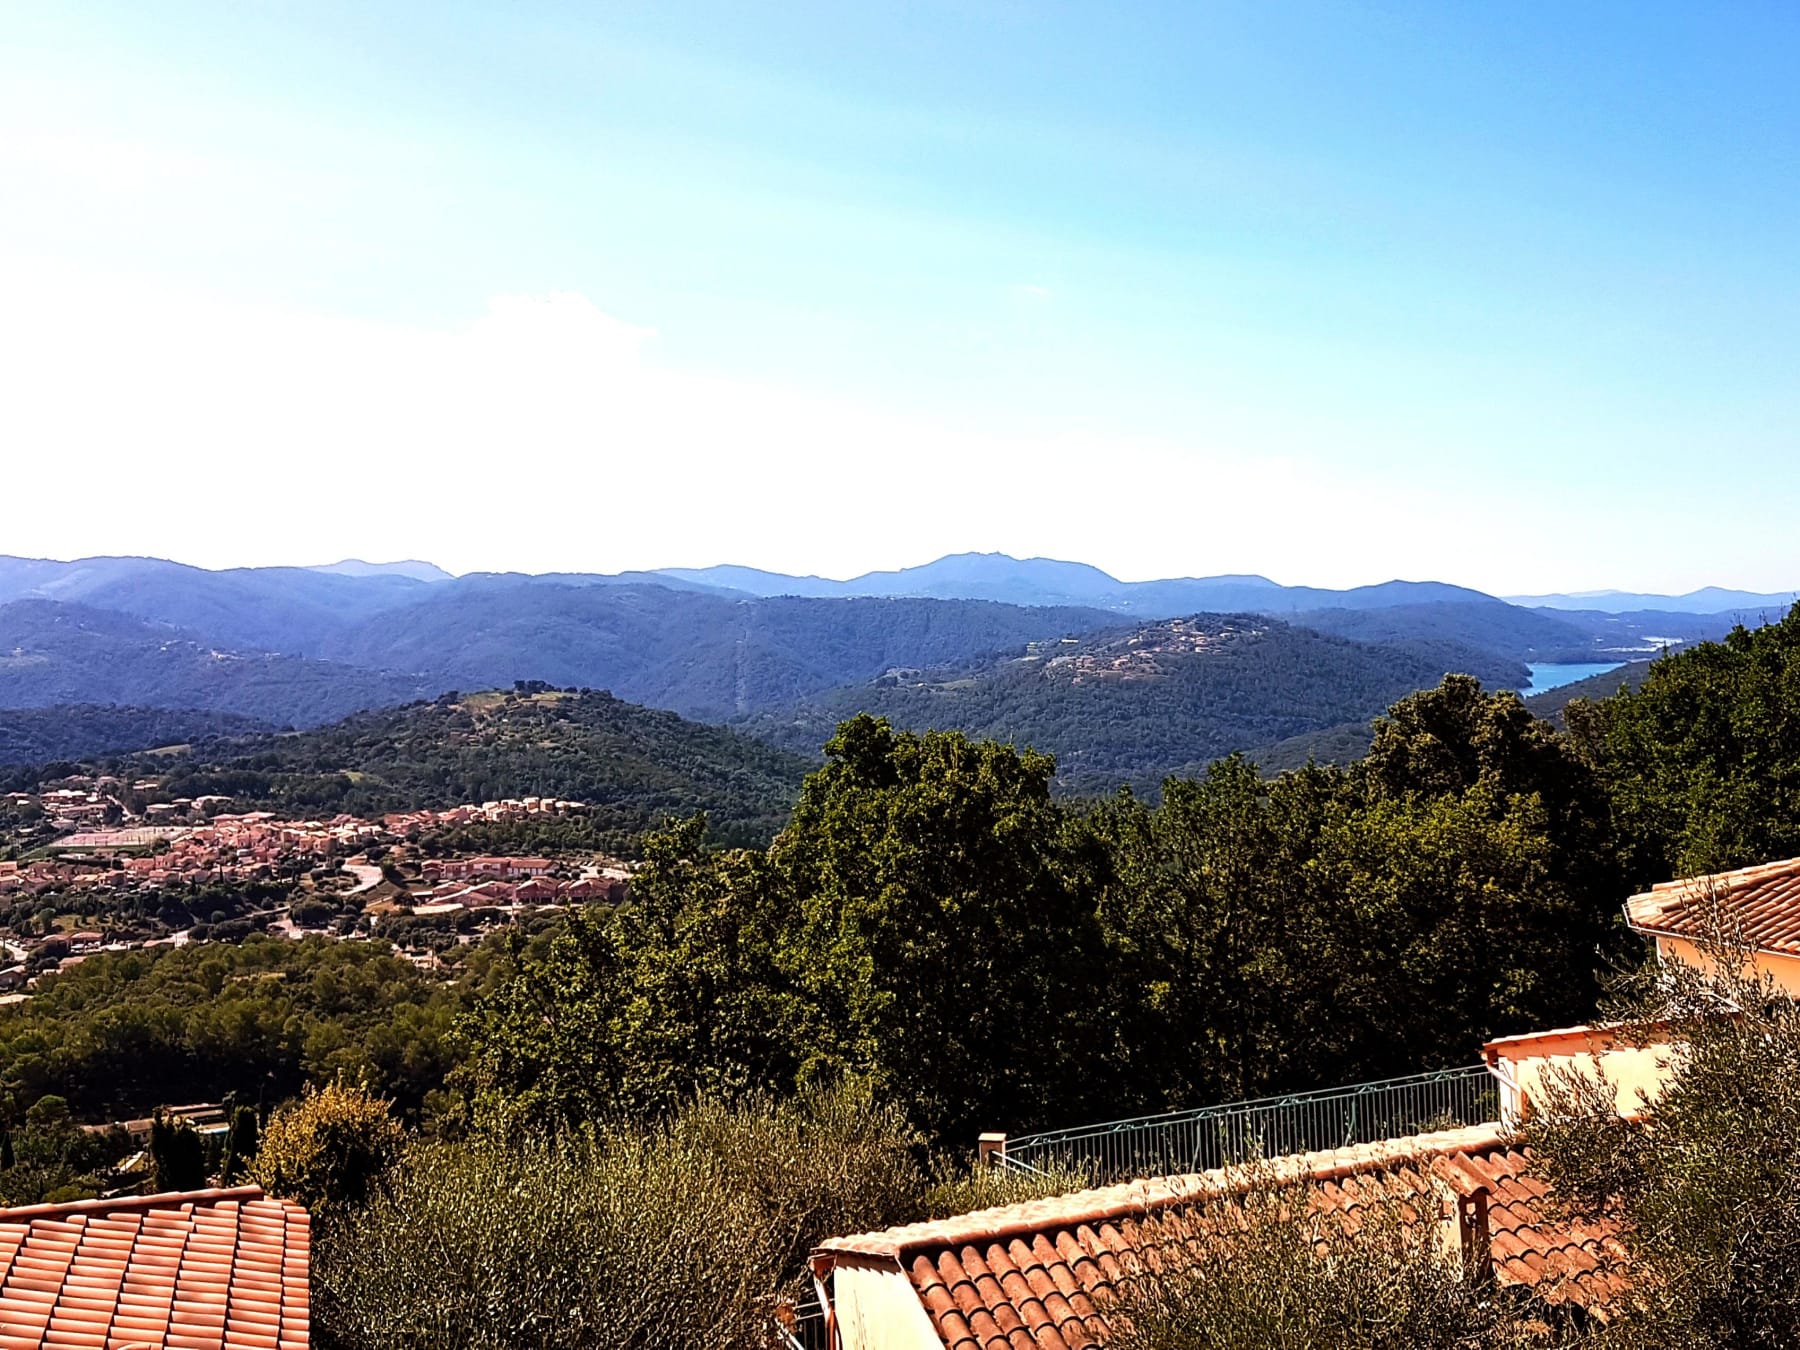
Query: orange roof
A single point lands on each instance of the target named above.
(1037, 1276)
(204, 1270)
(1761, 903)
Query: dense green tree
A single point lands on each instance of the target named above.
(633, 1010)
(1702, 762)
(944, 926)
(1208, 910)
(177, 1155)
(925, 926)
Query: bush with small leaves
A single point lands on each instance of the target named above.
(329, 1149)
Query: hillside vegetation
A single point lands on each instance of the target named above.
(84, 730)
(703, 656)
(635, 766)
(54, 653)
(1136, 705)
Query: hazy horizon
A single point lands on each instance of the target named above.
(1315, 291)
(814, 575)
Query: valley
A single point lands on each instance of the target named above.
(1123, 682)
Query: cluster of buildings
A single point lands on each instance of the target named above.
(412, 823)
(258, 845)
(226, 848)
(381, 868)
(450, 897)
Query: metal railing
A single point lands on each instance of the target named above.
(803, 1328)
(1299, 1122)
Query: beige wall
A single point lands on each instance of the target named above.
(1784, 970)
(1633, 1074)
(878, 1309)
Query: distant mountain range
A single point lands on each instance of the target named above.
(412, 567)
(1046, 581)
(1708, 600)
(303, 646)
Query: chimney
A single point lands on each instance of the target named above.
(1472, 1229)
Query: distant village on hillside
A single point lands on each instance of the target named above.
(89, 874)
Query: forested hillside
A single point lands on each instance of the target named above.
(1487, 624)
(635, 766)
(701, 655)
(64, 654)
(83, 730)
(1137, 705)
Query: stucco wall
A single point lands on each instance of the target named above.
(878, 1309)
(1784, 970)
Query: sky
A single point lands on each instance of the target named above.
(1505, 295)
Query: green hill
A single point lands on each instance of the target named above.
(83, 730)
(704, 656)
(53, 653)
(635, 766)
(1135, 705)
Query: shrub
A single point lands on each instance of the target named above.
(958, 1188)
(675, 1235)
(328, 1149)
(626, 1240)
(1706, 1186)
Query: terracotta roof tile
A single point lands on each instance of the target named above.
(1762, 903)
(210, 1270)
(1038, 1276)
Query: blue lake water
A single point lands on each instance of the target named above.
(1554, 674)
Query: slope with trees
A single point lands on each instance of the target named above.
(54, 653)
(633, 766)
(87, 730)
(1137, 705)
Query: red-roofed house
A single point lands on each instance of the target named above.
(1759, 906)
(1040, 1276)
(205, 1270)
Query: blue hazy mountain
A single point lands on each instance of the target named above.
(1051, 581)
(1707, 600)
(298, 645)
(410, 567)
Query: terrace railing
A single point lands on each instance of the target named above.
(1299, 1122)
(803, 1327)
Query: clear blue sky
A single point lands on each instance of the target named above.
(1506, 295)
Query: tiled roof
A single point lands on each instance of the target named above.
(205, 1270)
(1761, 903)
(1038, 1276)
